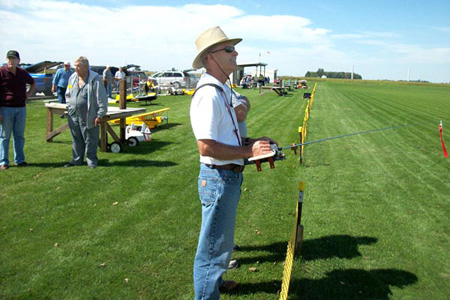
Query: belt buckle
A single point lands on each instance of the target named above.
(238, 169)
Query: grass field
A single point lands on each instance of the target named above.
(376, 207)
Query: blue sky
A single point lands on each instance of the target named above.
(381, 39)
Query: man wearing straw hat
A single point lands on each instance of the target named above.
(222, 153)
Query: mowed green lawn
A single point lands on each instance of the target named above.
(376, 205)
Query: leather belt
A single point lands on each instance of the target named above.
(231, 167)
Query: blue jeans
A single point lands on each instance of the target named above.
(109, 90)
(219, 192)
(14, 119)
(61, 92)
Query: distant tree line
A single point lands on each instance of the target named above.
(343, 75)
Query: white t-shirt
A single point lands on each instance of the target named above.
(211, 120)
(119, 74)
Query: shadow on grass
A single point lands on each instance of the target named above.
(288, 95)
(61, 142)
(166, 126)
(149, 103)
(277, 253)
(143, 148)
(138, 163)
(106, 163)
(146, 147)
(338, 284)
(334, 246)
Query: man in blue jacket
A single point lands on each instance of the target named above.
(87, 105)
(60, 81)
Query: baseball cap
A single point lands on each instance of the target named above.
(13, 53)
(67, 63)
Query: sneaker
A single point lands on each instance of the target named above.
(4, 167)
(68, 165)
(228, 286)
(233, 264)
(23, 164)
(236, 248)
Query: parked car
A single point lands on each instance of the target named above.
(41, 76)
(139, 77)
(178, 79)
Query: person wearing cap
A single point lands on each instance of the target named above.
(60, 82)
(87, 105)
(222, 152)
(13, 94)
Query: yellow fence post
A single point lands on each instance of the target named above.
(300, 133)
(294, 245)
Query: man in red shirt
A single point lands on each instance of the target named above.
(13, 93)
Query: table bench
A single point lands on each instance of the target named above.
(113, 113)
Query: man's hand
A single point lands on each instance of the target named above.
(31, 90)
(261, 147)
(97, 121)
(53, 88)
(265, 138)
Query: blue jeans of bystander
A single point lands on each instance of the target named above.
(61, 92)
(219, 192)
(14, 119)
(109, 90)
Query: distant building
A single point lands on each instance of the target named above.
(256, 69)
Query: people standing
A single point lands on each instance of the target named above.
(60, 81)
(13, 114)
(120, 74)
(108, 79)
(222, 152)
(87, 105)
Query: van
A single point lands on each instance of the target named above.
(178, 79)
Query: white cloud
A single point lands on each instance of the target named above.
(161, 37)
(420, 55)
(361, 35)
(443, 29)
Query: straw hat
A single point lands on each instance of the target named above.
(208, 39)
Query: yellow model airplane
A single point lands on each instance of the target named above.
(151, 119)
(188, 92)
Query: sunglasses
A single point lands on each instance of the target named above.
(228, 49)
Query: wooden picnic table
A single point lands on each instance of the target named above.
(281, 91)
(113, 113)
